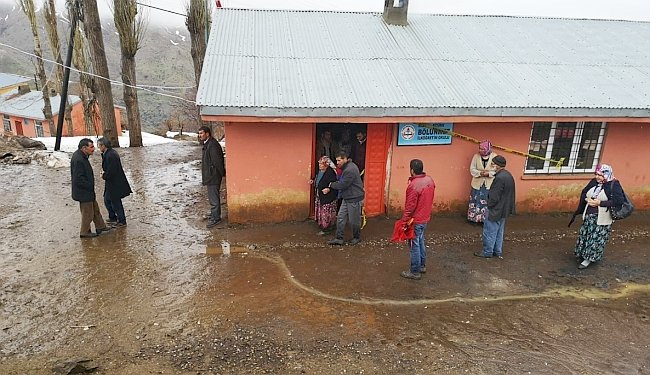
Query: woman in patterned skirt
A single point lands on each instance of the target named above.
(325, 205)
(482, 172)
(597, 198)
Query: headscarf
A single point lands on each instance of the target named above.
(485, 148)
(328, 161)
(606, 170)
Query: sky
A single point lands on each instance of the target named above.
(637, 10)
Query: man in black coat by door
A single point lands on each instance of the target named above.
(213, 169)
(116, 186)
(83, 190)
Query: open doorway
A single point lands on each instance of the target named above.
(333, 137)
(330, 138)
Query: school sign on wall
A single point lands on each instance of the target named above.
(424, 134)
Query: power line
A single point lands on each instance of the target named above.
(97, 76)
(164, 10)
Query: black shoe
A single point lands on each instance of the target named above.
(355, 241)
(335, 241)
(88, 235)
(103, 230)
(119, 225)
(410, 275)
(111, 221)
(480, 255)
(212, 223)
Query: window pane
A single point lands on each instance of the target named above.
(538, 144)
(563, 141)
(7, 123)
(588, 145)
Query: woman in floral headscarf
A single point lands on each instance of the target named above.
(597, 198)
(482, 172)
(325, 204)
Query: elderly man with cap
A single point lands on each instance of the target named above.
(500, 204)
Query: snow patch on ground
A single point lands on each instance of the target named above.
(71, 144)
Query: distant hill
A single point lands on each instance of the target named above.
(163, 60)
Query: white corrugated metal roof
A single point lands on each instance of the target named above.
(298, 63)
(7, 79)
(30, 105)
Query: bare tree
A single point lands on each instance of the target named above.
(130, 28)
(55, 45)
(101, 87)
(196, 20)
(28, 8)
(80, 61)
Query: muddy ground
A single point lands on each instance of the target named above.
(157, 298)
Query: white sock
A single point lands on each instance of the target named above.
(585, 263)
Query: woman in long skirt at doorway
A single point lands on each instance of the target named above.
(482, 172)
(325, 204)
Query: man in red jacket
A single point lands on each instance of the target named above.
(417, 212)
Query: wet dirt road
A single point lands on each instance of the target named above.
(152, 298)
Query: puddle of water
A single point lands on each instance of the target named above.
(625, 290)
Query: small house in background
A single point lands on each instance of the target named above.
(547, 90)
(21, 111)
(12, 83)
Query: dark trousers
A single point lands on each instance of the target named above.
(349, 211)
(115, 209)
(90, 214)
(214, 196)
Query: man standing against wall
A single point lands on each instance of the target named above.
(116, 186)
(83, 190)
(359, 152)
(500, 204)
(417, 212)
(213, 170)
(351, 191)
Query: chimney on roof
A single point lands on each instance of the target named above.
(23, 89)
(395, 12)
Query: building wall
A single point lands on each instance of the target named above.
(79, 126)
(449, 166)
(268, 169)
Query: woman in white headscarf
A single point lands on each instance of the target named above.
(597, 199)
(325, 204)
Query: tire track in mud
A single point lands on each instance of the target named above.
(626, 290)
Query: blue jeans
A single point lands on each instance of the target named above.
(418, 248)
(493, 237)
(115, 209)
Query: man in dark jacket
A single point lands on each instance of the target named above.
(116, 186)
(351, 192)
(500, 204)
(83, 190)
(213, 170)
(417, 212)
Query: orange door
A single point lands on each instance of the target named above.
(379, 138)
(19, 127)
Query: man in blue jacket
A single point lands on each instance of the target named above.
(83, 190)
(351, 191)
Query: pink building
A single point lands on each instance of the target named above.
(547, 90)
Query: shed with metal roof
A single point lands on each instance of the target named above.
(555, 96)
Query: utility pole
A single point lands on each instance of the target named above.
(74, 12)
